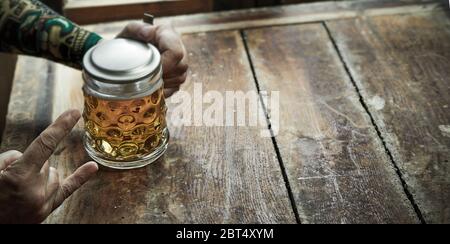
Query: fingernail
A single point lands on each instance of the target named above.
(96, 165)
(93, 163)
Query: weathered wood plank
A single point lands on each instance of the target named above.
(401, 64)
(88, 11)
(335, 162)
(29, 109)
(206, 170)
(283, 15)
(208, 175)
(8, 64)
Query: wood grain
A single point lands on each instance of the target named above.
(336, 165)
(208, 175)
(282, 15)
(335, 162)
(401, 64)
(8, 64)
(29, 109)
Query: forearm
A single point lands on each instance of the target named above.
(29, 27)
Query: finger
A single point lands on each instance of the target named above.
(167, 38)
(175, 82)
(74, 181)
(171, 62)
(130, 30)
(170, 45)
(168, 92)
(178, 70)
(9, 157)
(43, 146)
(139, 31)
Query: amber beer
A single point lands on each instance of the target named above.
(125, 130)
(124, 109)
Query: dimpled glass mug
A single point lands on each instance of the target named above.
(124, 108)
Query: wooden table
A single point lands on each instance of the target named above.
(364, 134)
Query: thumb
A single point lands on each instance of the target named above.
(140, 32)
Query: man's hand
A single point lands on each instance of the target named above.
(169, 43)
(29, 188)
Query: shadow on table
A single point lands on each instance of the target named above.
(120, 196)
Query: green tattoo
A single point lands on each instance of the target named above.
(29, 27)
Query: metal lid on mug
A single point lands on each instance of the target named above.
(122, 68)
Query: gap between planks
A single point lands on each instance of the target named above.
(386, 149)
(272, 135)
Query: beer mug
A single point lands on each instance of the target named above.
(124, 107)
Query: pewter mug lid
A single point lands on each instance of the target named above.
(122, 69)
(121, 61)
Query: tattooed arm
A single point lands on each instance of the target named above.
(29, 27)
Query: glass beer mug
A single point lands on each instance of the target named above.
(124, 106)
